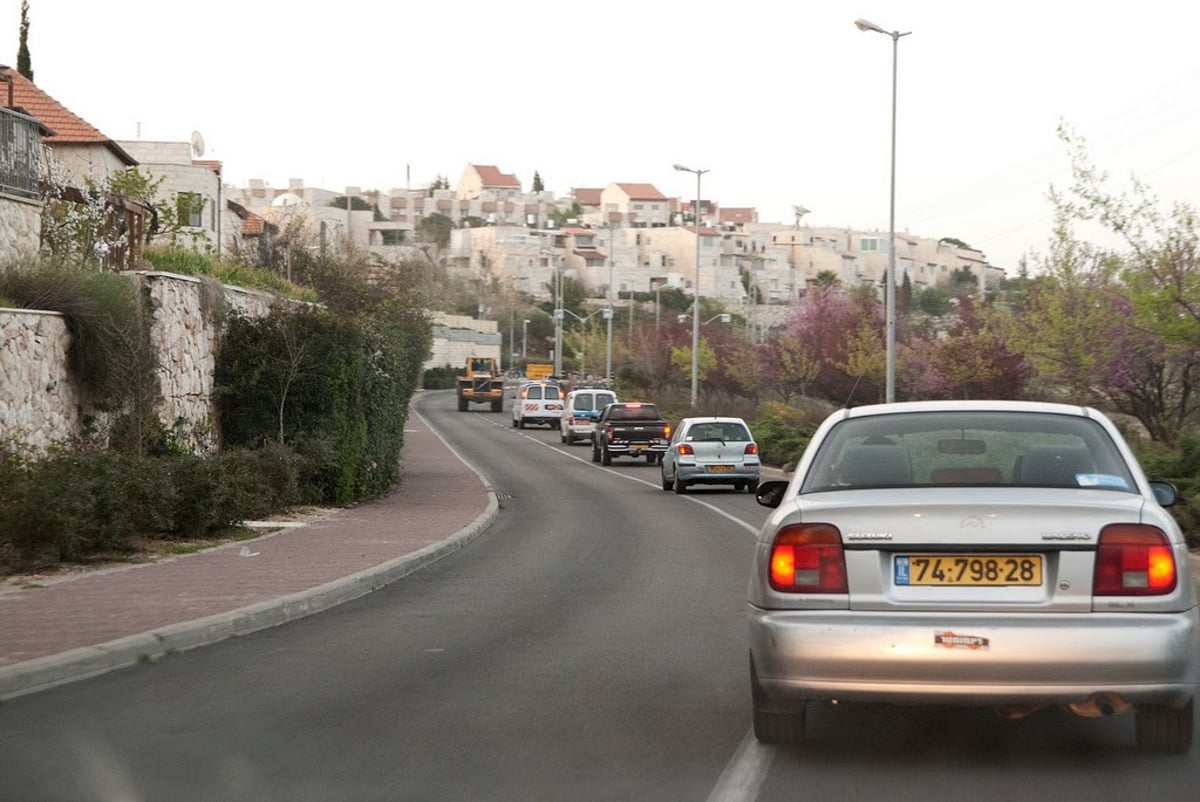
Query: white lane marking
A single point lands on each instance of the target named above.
(745, 773)
(751, 528)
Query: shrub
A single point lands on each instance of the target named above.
(440, 378)
(783, 431)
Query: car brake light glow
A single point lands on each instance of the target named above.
(686, 448)
(1134, 560)
(752, 448)
(808, 558)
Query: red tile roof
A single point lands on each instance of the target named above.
(587, 196)
(641, 192)
(68, 128)
(739, 215)
(705, 231)
(492, 177)
(215, 166)
(253, 224)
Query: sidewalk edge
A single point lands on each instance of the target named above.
(43, 673)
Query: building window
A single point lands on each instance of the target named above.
(637, 207)
(190, 206)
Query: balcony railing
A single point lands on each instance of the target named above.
(20, 146)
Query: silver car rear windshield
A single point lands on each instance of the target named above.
(928, 449)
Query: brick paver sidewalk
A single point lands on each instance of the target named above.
(95, 622)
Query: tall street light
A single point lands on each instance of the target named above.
(524, 339)
(696, 288)
(608, 317)
(864, 25)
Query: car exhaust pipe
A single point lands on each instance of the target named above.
(1101, 705)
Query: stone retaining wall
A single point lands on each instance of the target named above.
(39, 402)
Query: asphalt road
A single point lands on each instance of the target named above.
(590, 645)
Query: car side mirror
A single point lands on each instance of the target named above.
(770, 493)
(1165, 493)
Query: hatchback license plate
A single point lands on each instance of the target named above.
(967, 570)
(720, 468)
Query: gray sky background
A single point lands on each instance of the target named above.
(785, 103)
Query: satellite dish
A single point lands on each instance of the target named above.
(197, 145)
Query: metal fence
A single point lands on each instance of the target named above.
(20, 144)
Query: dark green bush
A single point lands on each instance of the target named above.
(782, 433)
(343, 382)
(440, 378)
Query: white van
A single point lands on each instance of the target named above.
(582, 408)
(538, 402)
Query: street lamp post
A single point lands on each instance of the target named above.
(524, 340)
(696, 288)
(608, 318)
(864, 25)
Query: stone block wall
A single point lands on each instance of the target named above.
(39, 402)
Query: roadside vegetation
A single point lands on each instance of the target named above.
(313, 398)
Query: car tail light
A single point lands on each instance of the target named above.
(686, 448)
(666, 433)
(1134, 560)
(752, 448)
(808, 558)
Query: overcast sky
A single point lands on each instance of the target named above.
(784, 102)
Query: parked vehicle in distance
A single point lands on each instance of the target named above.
(630, 429)
(995, 553)
(537, 402)
(581, 410)
(714, 451)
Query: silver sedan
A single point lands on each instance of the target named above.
(1003, 554)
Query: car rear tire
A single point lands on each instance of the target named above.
(462, 404)
(605, 457)
(563, 436)
(514, 423)
(680, 485)
(1164, 729)
(667, 484)
(521, 423)
(650, 458)
(751, 487)
(772, 726)
(595, 453)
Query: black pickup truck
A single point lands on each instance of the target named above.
(630, 429)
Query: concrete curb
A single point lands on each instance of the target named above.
(78, 664)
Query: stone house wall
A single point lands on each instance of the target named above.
(20, 228)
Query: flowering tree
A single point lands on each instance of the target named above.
(832, 347)
(1119, 328)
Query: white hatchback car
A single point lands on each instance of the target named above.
(995, 553)
(711, 451)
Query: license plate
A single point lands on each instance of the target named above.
(720, 468)
(967, 570)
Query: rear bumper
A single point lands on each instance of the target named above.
(694, 474)
(1017, 658)
(635, 449)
